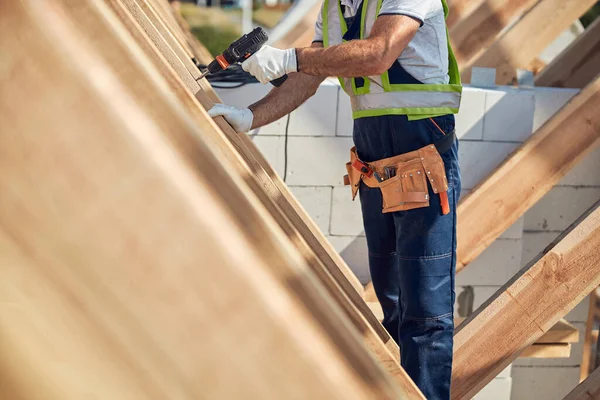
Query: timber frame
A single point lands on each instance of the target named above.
(133, 61)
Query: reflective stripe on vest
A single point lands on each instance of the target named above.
(377, 96)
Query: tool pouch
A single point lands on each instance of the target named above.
(408, 189)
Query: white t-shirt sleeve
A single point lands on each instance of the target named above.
(417, 9)
(319, 27)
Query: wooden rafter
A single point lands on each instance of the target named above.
(302, 32)
(459, 10)
(477, 31)
(95, 287)
(528, 174)
(588, 360)
(527, 38)
(588, 389)
(375, 337)
(527, 306)
(578, 65)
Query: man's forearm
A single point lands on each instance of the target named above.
(371, 56)
(283, 100)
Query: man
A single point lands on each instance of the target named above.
(395, 62)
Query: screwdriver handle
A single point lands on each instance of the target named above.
(279, 81)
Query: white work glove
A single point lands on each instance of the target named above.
(241, 120)
(270, 63)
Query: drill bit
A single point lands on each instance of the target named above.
(202, 75)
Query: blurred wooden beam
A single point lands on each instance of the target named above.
(541, 293)
(374, 335)
(130, 253)
(302, 32)
(588, 389)
(476, 32)
(528, 174)
(527, 38)
(576, 66)
(459, 10)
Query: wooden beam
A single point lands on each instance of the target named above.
(528, 174)
(547, 350)
(302, 32)
(527, 38)
(374, 335)
(537, 297)
(561, 332)
(587, 359)
(123, 237)
(459, 10)
(588, 389)
(483, 24)
(576, 66)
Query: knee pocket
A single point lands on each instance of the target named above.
(426, 288)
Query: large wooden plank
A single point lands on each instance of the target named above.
(375, 336)
(477, 31)
(300, 33)
(547, 350)
(527, 38)
(527, 306)
(589, 389)
(130, 255)
(528, 174)
(271, 182)
(459, 10)
(578, 65)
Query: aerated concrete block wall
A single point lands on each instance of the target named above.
(492, 123)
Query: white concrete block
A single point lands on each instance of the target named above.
(346, 216)
(316, 200)
(497, 389)
(508, 115)
(495, 266)
(317, 161)
(580, 312)
(345, 123)
(534, 243)
(560, 207)
(246, 95)
(243, 96)
(573, 361)
(317, 116)
(481, 295)
(273, 148)
(525, 78)
(515, 231)
(483, 77)
(506, 372)
(469, 120)
(548, 101)
(546, 383)
(354, 251)
(586, 172)
(479, 159)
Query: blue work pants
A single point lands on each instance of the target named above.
(412, 254)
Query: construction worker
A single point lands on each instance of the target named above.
(394, 60)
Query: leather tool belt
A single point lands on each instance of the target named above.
(403, 178)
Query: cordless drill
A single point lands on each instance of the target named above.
(239, 51)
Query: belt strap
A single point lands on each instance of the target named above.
(445, 143)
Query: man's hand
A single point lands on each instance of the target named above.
(240, 120)
(270, 63)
